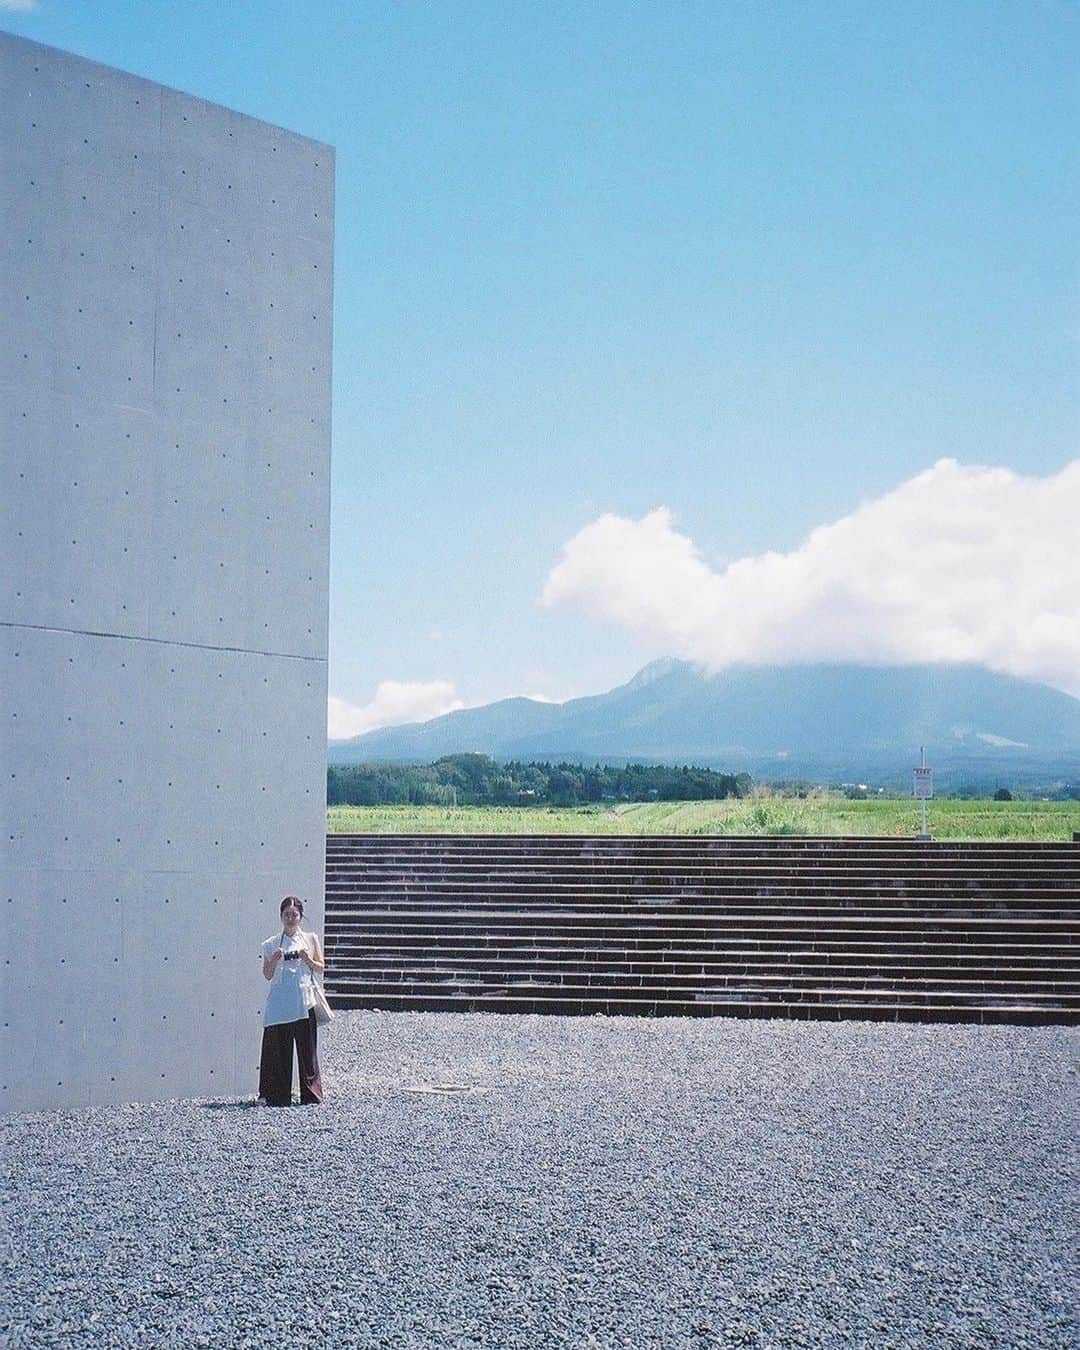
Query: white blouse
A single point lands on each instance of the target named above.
(288, 1000)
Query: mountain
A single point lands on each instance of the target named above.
(835, 722)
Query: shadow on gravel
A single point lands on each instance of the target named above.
(247, 1105)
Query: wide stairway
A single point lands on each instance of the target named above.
(877, 929)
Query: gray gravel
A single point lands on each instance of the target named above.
(609, 1182)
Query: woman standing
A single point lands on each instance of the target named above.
(289, 960)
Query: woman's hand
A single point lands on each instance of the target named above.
(314, 958)
(271, 963)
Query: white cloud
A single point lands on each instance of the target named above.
(395, 701)
(19, 6)
(961, 563)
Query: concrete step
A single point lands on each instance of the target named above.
(810, 966)
(1058, 872)
(894, 985)
(702, 948)
(704, 868)
(751, 927)
(721, 995)
(1057, 865)
(873, 962)
(696, 866)
(499, 1002)
(767, 859)
(703, 908)
(501, 892)
(643, 923)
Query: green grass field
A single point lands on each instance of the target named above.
(756, 815)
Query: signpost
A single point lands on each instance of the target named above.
(923, 789)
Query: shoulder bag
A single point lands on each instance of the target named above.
(316, 1000)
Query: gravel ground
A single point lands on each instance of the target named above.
(606, 1182)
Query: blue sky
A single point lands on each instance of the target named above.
(628, 294)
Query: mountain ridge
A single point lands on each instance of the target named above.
(776, 721)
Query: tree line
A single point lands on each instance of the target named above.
(478, 780)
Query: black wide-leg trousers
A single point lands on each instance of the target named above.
(275, 1064)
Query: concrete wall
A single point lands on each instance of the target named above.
(165, 328)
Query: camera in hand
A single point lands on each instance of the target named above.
(291, 956)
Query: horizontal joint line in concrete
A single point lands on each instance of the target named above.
(161, 642)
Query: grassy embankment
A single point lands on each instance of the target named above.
(1021, 821)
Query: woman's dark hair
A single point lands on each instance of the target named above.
(291, 900)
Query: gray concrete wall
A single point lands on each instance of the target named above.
(165, 329)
